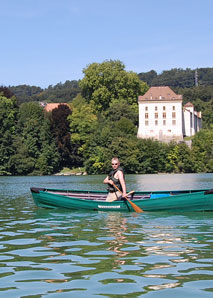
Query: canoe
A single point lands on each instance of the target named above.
(183, 200)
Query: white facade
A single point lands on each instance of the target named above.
(161, 116)
(192, 120)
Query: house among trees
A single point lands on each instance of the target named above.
(162, 117)
(48, 107)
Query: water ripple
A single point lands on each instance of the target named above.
(63, 254)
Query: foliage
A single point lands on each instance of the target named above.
(58, 93)
(61, 132)
(83, 123)
(101, 123)
(8, 118)
(34, 149)
(108, 81)
(119, 109)
(148, 77)
(202, 151)
(25, 93)
(178, 77)
(6, 92)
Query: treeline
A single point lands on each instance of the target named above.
(195, 85)
(100, 123)
(179, 78)
(59, 93)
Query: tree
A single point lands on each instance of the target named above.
(119, 109)
(49, 158)
(6, 92)
(108, 81)
(83, 124)
(60, 92)
(61, 132)
(25, 93)
(202, 151)
(148, 77)
(34, 148)
(8, 118)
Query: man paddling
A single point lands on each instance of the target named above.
(116, 176)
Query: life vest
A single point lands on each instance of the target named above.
(116, 181)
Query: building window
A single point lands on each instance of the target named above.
(156, 108)
(156, 122)
(146, 108)
(173, 108)
(146, 116)
(173, 122)
(146, 123)
(164, 122)
(173, 115)
(164, 108)
(156, 115)
(164, 115)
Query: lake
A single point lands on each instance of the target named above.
(64, 253)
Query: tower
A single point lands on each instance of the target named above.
(196, 78)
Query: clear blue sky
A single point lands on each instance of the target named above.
(44, 42)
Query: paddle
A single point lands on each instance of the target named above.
(129, 193)
(134, 206)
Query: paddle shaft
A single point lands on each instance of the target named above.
(134, 206)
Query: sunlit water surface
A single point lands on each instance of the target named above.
(64, 253)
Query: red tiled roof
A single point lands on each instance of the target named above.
(51, 106)
(160, 93)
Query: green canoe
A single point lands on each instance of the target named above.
(183, 200)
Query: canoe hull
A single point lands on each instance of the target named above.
(162, 201)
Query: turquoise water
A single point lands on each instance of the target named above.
(61, 253)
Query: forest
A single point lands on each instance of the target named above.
(100, 122)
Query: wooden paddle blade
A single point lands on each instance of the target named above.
(135, 207)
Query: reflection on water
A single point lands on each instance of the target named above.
(171, 182)
(61, 253)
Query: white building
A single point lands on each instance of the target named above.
(162, 117)
(192, 120)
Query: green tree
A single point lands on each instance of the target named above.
(8, 118)
(152, 156)
(121, 109)
(83, 124)
(60, 92)
(21, 162)
(148, 77)
(34, 147)
(25, 93)
(48, 161)
(107, 81)
(202, 151)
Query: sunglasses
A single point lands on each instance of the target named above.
(114, 164)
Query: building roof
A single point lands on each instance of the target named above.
(51, 106)
(188, 104)
(160, 93)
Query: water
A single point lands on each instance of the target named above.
(62, 253)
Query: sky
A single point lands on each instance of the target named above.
(45, 42)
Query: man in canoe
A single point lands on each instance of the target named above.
(116, 177)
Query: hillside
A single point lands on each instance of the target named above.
(196, 86)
